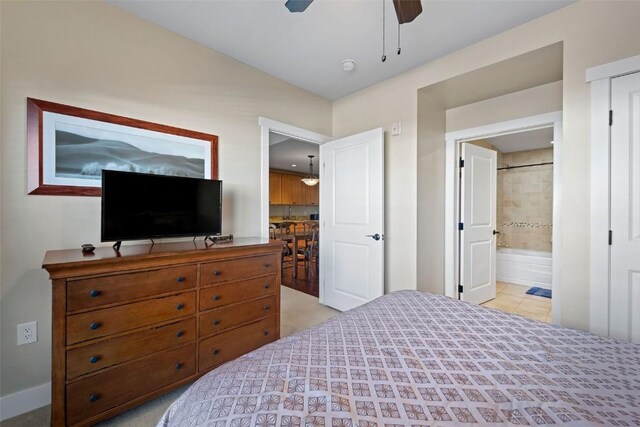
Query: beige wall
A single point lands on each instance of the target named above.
(93, 55)
(525, 103)
(593, 33)
(431, 131)
(525, 200)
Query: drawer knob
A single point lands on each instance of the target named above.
(267, 265)
(216, 297)
(215, 352)
(179, 366)
(94, 325)
(180, 279)
(179, 306)
(94, 293)
(179, 334)
(93, 397)
(267, 286)
(216, 322)
(266, 333)
(94, 359)
(266, 307)
(217, 273)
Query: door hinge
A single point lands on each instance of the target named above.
(610, 237)
(610, 117)
(460, 289)
(461, 162)
(460, 226)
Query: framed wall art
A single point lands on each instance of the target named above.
(68, 147)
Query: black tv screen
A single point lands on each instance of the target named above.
(146, 206)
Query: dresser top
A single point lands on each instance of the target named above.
(135, 254)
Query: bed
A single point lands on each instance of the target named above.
(413, 358)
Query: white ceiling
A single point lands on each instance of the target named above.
(285, 151)
(523, 141)
(307, 49)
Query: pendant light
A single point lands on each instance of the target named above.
(310, 179)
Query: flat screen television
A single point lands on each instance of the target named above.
(146, 206)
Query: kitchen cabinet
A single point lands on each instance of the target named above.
(288, 189)
(291, 191)
(312, 195)
(275, 188)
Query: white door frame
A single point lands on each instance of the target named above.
(600, 81)
(267, 126)
(452, 154)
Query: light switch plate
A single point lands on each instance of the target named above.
(396, 128)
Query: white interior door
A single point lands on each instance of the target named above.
(625, 209)
(478, 222)
(352, 220)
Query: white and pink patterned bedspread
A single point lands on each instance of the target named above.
(412, 358)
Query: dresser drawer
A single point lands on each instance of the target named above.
(94, 357)
(229, 345)
(91, 396)
(219, 319)
(223, 271)
(97, 291)
(230, 293)
(99, 323)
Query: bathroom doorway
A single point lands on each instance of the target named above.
(524, 222)
(454, 143)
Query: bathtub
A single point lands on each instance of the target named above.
(524, 267)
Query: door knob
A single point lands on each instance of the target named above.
(374, 236)
(495, 232)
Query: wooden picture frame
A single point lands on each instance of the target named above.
(67, 148)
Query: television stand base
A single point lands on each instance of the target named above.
(220, 239)
(116, 245)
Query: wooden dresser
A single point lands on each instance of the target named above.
(131, 325)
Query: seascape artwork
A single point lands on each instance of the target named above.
(83, 157)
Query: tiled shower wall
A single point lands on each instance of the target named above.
(525, 200)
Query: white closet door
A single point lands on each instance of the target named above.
(625, 209)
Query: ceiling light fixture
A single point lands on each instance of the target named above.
(310, 179)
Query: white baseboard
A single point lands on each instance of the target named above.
(24, 401)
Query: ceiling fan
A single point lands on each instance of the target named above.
(406, 11)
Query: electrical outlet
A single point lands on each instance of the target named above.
(27, 333)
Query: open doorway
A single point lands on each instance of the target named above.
(351, 215)
(523, 224)
(517, 228)
(290, 145)
(294, 209)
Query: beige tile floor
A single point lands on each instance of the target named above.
(298, 311)
(513, 299)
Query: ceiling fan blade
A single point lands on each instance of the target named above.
(297, 5)
(407, 10)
